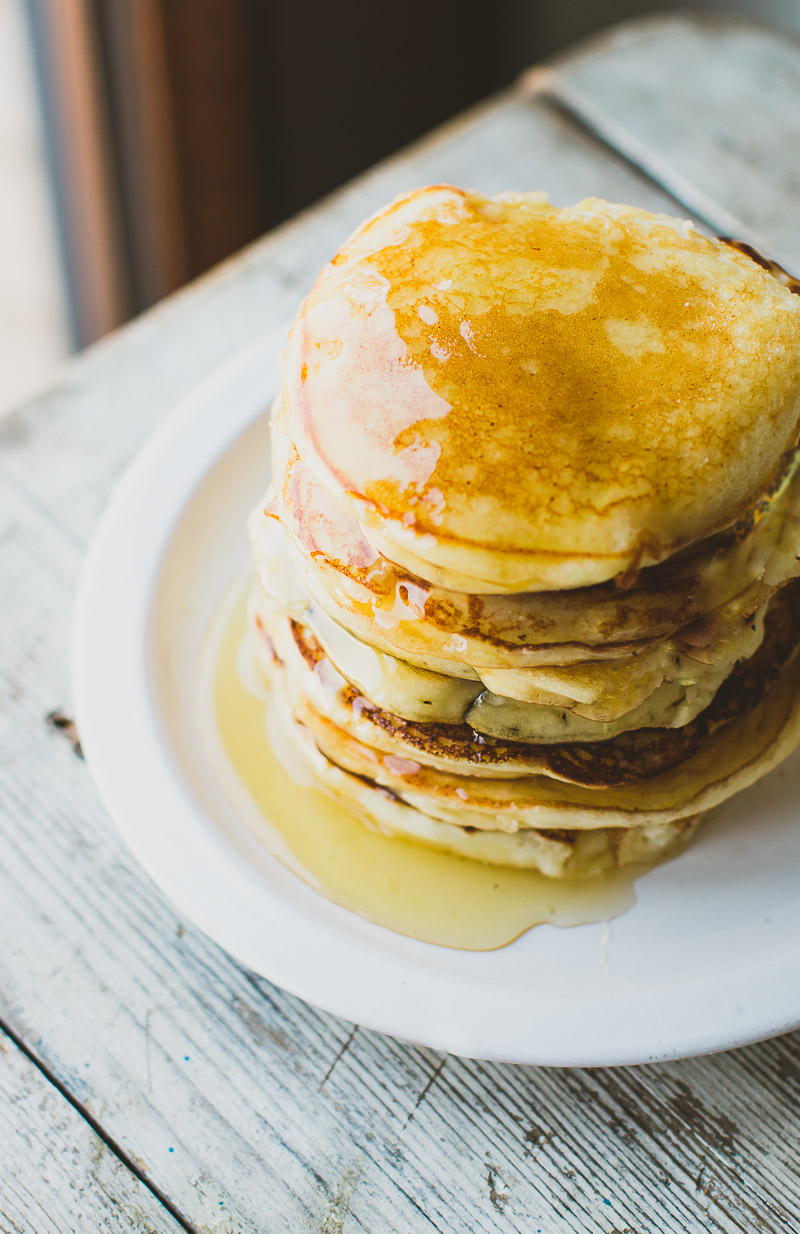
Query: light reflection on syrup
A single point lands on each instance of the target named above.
(407, 887)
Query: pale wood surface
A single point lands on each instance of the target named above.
(280, 1117)
(715, 120)
(57, 1176)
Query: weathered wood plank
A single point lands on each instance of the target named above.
(56, 1175)
(710, 107)
(279, 1117)
(674, 1147)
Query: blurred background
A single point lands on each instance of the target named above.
(143, 141)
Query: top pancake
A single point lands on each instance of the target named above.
(531, 398)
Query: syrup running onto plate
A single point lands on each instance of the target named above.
(422, 892)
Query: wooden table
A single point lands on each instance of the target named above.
(152, 1084)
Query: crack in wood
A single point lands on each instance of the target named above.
(119, 1152)
(427, 1088)
(345, 1047)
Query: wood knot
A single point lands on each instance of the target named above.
(61, 723)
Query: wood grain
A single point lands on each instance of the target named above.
(710, 108)
(249, 1110)
(57, 1175)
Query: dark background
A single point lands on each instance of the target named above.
(180, 130)
(277, 103)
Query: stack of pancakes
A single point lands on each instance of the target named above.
(525, 573)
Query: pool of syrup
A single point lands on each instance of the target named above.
(407, 887)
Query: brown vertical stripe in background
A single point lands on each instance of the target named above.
(192, 126)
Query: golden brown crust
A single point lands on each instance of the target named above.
(488, 630)
(627, 759)
(735, 756)
(531, 397)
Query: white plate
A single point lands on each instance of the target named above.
(708, 958)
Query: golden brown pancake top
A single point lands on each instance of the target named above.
(576, 390)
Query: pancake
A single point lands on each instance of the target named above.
(558, 854)
(666, 684)
(528, 574)
(318, 692)
(403, 614)
(522, 398)
(607, 688)
(734, 756)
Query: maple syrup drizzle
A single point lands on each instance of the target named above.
(407, 887)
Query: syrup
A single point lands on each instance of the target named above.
(407, 887)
